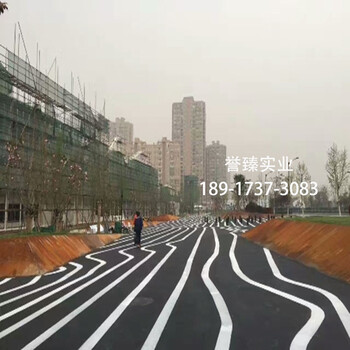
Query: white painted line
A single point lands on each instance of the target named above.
(52, 330)
(78, 289)
(224, 338)
(5, 281)
(305, 334)
(233, 223)
(71, 273)
(61, 269)
(339, 307)
(31, 282)
(157, 330)
(113, 317)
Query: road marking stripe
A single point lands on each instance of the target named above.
(5, 281)
(339, 307)
(305, 334)
(71, 273)
(113, 317)
(59, 270)
(31, 282)
(45, 296)
(224, 337)
(53, 329)
(157, 329)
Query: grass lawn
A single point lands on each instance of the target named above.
(333, 220)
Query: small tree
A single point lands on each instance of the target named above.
(302, 175)
(63, 181)
(338, 169)
(23, 175)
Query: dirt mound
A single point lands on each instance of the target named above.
(37, 255)
(165, 218)
(322, 245)
(244, 214)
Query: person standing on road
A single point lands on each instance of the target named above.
(138, 225)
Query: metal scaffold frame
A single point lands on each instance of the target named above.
(56, 165)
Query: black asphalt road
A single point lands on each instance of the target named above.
(191, 286)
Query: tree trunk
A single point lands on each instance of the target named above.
(339, 209)
(59, 226)
(29, 223)
(98, 218)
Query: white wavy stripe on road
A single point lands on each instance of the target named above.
(53, 329)
(45, 296)
(31, 282)
(303, 337)
(159, 233)
(74, 281)
(339, 307)
(41, 311)
(89, 256)
(131, 239)
(158, 328)
(113, 317)
(5, 281)
(224, 338)
(59, 270)
(71, 273)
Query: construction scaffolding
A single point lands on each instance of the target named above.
(57, 168)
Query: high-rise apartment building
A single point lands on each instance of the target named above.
(215, 163)
(188, 129)
(139, 146)
(124, 131)
(165, 157)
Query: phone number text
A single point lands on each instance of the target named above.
(260, 189)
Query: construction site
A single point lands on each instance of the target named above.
(58, 167)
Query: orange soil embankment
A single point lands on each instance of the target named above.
(326, 247)
(154, 221)
(165, 218)
(30, 256)
(244, 214)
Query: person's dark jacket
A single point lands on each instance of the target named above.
(138, 224)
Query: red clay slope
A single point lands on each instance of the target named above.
(326, 247)
(30, 256)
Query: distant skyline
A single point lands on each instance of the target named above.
(274, 74)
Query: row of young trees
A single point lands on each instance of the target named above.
(53, 175)
(42, 177)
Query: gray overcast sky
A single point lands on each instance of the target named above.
(274, 74)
